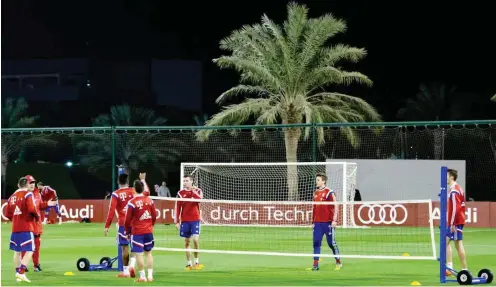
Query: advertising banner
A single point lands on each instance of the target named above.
(478, 214)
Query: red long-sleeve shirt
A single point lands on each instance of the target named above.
(187, 211)
(22, 211)
(140, 216)
(48, 193)
(118, 205)
(324, 212)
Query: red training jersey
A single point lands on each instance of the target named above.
(118, 205)
(41, 205)
(140, 216)
(456, 205)
(324, 212)
(22, 211)
(48, 193)
(187, 211)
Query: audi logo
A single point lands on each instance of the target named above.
(382, 211)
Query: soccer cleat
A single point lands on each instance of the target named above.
(122, 275)
(22, 278)
(338, 266)
(199, 266)
(448, 273)
(37, 268)
(132, 273)
(314, 268)
(140, 280)
(150, 279)
(188, 268)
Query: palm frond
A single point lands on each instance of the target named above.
(333, 55)
(242, 90)
(234, 115)
(493, 98)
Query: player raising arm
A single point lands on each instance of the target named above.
(142, 177)
(324, 221)
(48, 193)
(118, 205)
(140, 219)
(187, 219)
(456, 221)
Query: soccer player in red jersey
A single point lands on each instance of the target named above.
(140, 219)
(48, 193)
(188, 218)
(118, 205)
(24, 214)
(38, 227)
(456, 221)
(324, 221)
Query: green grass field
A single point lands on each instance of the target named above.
(63, 245)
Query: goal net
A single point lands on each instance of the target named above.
(251, 209)
(274, 182)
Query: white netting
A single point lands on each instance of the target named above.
(273, 182)
(398, 230)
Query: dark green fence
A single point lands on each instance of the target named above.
(95, 152)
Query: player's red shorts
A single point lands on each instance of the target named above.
(22, 241)
(142, 242)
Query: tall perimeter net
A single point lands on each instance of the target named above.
(266, 209)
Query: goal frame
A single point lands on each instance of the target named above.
(342, 163)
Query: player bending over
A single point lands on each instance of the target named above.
(187, 219)
(140, 219)
(118, 205)
(324, 221)
(48, 193)
(38, 227)
(23, 213)
(456, 221)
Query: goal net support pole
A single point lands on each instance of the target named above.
(443, 209)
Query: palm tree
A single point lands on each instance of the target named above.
(286, 68)
(131, 150)
(435, 102)
(14, 116)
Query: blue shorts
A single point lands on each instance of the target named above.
(48, 209)
(22, 241)
(142, 242)
(121, 236)
(321, 228)
(189, 228)
(457, 235)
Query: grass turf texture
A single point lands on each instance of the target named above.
(63, 245)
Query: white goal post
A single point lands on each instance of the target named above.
(266, 209)
(281, 181)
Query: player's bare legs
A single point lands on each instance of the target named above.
(132, 264)
(461, 253)
(141, 267)
(20, 276)
(17, 259)
(149, 265)
(449, 257)
(196, 244)
(188, 253)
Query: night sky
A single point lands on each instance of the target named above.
(408, 42)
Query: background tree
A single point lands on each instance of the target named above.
(286, 68)
(435, 102)
(14, 116)
(132, 149)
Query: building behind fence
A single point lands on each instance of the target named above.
(96, 152)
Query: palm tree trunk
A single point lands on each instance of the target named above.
(291, 138)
